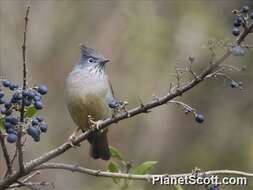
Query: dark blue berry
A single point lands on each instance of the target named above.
(237, 23)
(8, 112)
(7, 125)
(114, 104)
(11, 131)
(37, 98)
(35, 122)
(11, 138)
(7, 105)
(234, 84)
(17, 96)
(14, 121)
(14, 100)
(239, 19)
(199, 118)
(25, 93)
(11, 119)
(2, 101)
(28, 102)
(213, 187)
(42, 89)
(235, 31)
(38, 105)
(13, 86)
(33, 131)
(39, 118)
(1, 94)
(2, 110)
(238, 51)
(251, 15)
(245, 9)
(30, 94)
(43, 128)
(6, 83)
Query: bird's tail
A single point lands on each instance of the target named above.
(99, 145)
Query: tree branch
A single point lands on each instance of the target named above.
(147, 177)
(22, 111)
(6, 155)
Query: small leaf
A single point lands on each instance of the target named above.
(30, 112)
(115, 153)
(144, 167)
(114, 168)
(178, 187)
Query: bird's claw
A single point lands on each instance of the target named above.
(94, 125)
(71, 140)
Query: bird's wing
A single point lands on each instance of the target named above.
(110, 84)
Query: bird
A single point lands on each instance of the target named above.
(88, 93)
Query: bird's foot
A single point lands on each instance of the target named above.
(94, 125)
(72, 138)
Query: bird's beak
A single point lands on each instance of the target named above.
(104, 62)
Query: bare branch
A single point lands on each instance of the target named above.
(147, 177)
(247, 46)
(31, 185)
(31, 176)
(6, 155)
(22, 111)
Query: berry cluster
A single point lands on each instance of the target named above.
(241, 19)
(31, 99)
(36, 127)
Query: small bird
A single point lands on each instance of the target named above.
(88, 92)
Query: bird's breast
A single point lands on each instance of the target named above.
(86, 96)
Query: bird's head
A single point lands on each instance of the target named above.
(92, 60)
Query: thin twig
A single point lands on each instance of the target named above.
(184, 105)
(31, 185)
(247, 46)
(230, 68)
(76, 168)
(6, 155)
(22, 111)
(15, 155)
(30, 176)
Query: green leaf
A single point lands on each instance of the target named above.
(115, 153)
(178, 187)
(30, 112)
(114, 168)
(144, 167)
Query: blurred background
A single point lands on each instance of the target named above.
(144, 40)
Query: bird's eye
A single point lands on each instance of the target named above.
(91, 60)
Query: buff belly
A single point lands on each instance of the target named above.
(80, 107)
